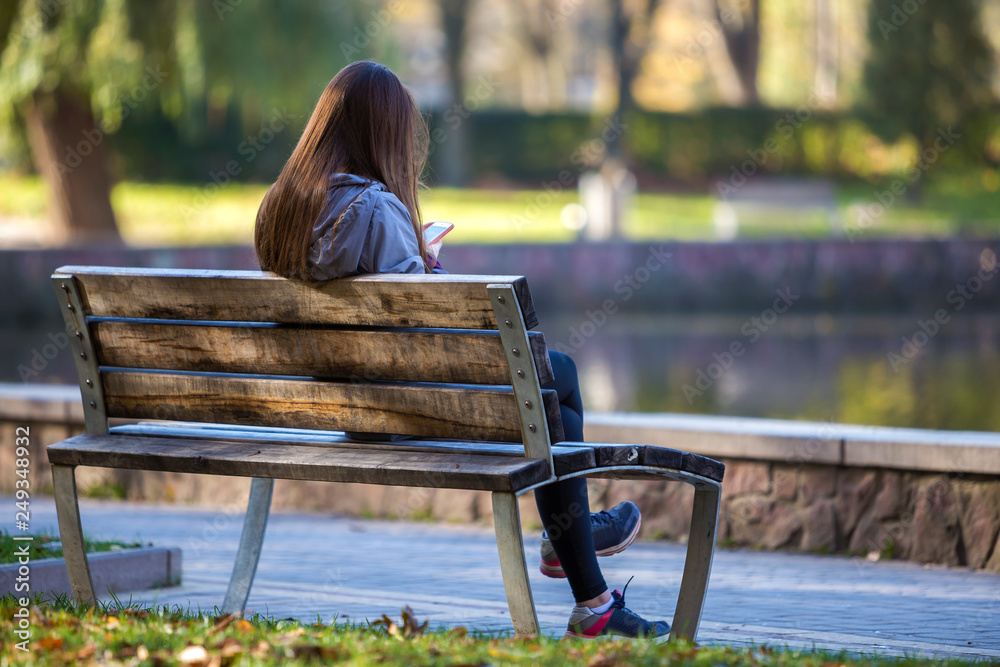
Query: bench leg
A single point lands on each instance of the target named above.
(251, 540)
(71, 534)
(510, 544)
(698, 563)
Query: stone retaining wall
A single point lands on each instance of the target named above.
(801, 493)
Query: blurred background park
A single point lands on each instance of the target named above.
(701, 156)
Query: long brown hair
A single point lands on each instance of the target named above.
(365, 123)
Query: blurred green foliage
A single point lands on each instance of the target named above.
(210, 59)
(929, 66)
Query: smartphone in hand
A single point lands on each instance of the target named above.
(435, 231)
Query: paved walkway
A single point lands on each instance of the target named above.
(329, 567)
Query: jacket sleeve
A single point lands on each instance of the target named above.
(392, 246)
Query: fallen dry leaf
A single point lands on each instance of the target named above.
(86, 652)
(243, 625)
(230, 647)
(49, 643)
(221, 623)
(260, 650)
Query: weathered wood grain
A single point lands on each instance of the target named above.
(298, 461)
(360, 355)
(566, 460)
(467, 412)
(394, 300)
(704, 466)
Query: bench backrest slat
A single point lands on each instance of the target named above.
(386, 300)
(413, 355)
(472, 412)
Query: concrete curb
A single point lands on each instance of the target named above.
(115, 571)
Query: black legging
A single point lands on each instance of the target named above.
(564, 506)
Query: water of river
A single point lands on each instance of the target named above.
(820, 367)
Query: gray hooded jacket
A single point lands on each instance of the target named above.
(363, 229)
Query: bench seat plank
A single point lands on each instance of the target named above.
(415, 355)
(567, 460)
(482, 472)
(386, 300)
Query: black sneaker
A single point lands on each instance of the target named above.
(615, 622)
(613, 530)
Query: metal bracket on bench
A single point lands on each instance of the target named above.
(94, 411)
(523, 373)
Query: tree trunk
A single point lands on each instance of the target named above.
(827, 43)
(453, 167)
(742, 39)
(68, 148)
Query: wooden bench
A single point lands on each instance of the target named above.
(778, 203)
(253, 375)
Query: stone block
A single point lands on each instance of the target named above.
(936, 530)
(783, 482)
(993, 564)
(530, 519)
(820, 531)
(744, 477)
(980, 520)
(597, 493)
(408, 502)
(454, 505)
(867, 537)
(781, 526)
(817, 482)
(855, 489)
(665, 505)
(667, 516)
(891, 495)
(744, 516)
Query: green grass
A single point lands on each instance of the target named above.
(119, 633)
(45, 545)
(165, 214)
